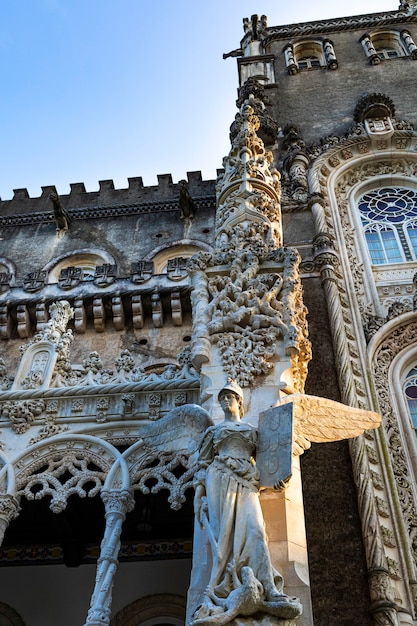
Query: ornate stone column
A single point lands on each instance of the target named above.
(117, 504)
(9, 510)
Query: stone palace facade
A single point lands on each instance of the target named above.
(282, 295)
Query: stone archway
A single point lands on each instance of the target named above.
(9, 617)
(156, 610)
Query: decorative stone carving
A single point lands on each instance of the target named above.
(177, 268)
(154, 405)
(70, 277)
(5, 280)
(50, 429)
(34, 281)
(268, 129)
(9, 510)
(242, 581)
(186, 203)
(22, 413)
(105, 275)
(5, 380)
(141, 271)
(60, 473)
(61, 215)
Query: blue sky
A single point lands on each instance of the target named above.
(99, 89)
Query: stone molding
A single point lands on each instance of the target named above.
(159, 607)
(104, 211)
(358, 22)
(9, 617)
(333, 176)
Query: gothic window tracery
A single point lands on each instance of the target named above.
(389, 221)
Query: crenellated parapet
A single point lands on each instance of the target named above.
(23, 209)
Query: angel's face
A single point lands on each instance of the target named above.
(230, 404)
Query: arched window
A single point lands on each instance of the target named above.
(309, 54)
(388, 44)
(389, 220)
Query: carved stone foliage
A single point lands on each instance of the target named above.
(22, 413)
(248, 191)
(250, 312)
(372, 323)
(399, 339)
(61, 471)
(268, 129)
(5, 380)
(161, 470)
(127, 370)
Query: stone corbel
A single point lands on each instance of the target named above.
(157, 311)
(80, 317)
(117, 505)
(5, 322)
(23, 321)
(99, 315)
(137, 312)
(118, 313)
(176, 308)
(41, 316)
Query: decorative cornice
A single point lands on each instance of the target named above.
(355, 22)
(116, 210)
(143, 551)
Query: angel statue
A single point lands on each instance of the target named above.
(243, 580)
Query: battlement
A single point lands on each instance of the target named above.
(136, 193)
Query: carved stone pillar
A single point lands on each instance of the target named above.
(9, 510)
(284, 519)
(117, 504)
(383, 606)
(326, 261)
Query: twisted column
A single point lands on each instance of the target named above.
(383, 605)
(117, 504)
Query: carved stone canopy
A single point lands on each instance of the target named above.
(374, 105)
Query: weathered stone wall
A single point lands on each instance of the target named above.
(339, 583)
(321, 101)
(127, 223)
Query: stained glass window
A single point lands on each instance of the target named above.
(389, 219)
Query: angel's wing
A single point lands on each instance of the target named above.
(179, 430)
(319, 420)
(293, 423)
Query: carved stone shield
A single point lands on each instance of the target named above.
(274, 449)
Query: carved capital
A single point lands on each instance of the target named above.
(9, 507)
(118, 502)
